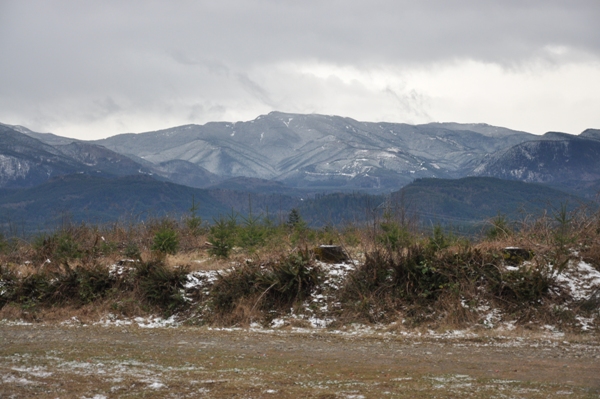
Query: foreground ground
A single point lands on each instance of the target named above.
(75, 361)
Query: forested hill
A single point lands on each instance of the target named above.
(84, 198)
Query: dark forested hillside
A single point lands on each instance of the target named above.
(478, 198)
(94, 199)
(82, 197)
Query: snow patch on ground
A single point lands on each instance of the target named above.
(156, 322)
(200, 281)
(142, 322)
(586, 324)
(15, 323)
(123, 266)
(315, 311)
(145, 375)
(580, 279)
(11, 379)
(157, 385)
(36, 371)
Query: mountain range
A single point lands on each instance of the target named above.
(298, 156)
(309, 152)
(322, 152)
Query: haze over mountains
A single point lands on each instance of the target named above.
(296, 155)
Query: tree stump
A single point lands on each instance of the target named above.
(514, 256)
(330, 254)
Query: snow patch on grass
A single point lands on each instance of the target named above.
(156, 322)
(112, 320)
(11, 379)
(36, 371)
(15, 323)
(157, 385)
(580, 280)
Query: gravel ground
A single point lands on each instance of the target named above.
(78, 361)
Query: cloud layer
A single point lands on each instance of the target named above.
(93, 69)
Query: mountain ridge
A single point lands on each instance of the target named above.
(556, 159)
(316, 153)
(320, 150)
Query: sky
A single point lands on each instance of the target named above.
(90, 69)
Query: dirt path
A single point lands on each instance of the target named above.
(50, 361)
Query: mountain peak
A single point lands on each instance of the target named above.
(591, 134)
(557, 136)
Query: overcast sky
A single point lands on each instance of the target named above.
(91, 69)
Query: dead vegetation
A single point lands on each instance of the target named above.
(263, 272)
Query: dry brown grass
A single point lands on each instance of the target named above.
(244, 313)
(453, 313)
(14, 312)
(106, 245)
(201, 261)
(123, 306)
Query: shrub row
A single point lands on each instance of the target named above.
(420, 279)
(404, 269)
(152, 283)
(271, 285)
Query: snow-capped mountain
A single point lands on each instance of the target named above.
(322, 151)
(315, 152)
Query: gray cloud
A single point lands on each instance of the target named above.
(411, 104)
(62, 60)
(254, 89)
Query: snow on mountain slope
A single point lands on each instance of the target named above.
(549, 160)
(321, 150)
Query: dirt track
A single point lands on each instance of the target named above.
(50, 361)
